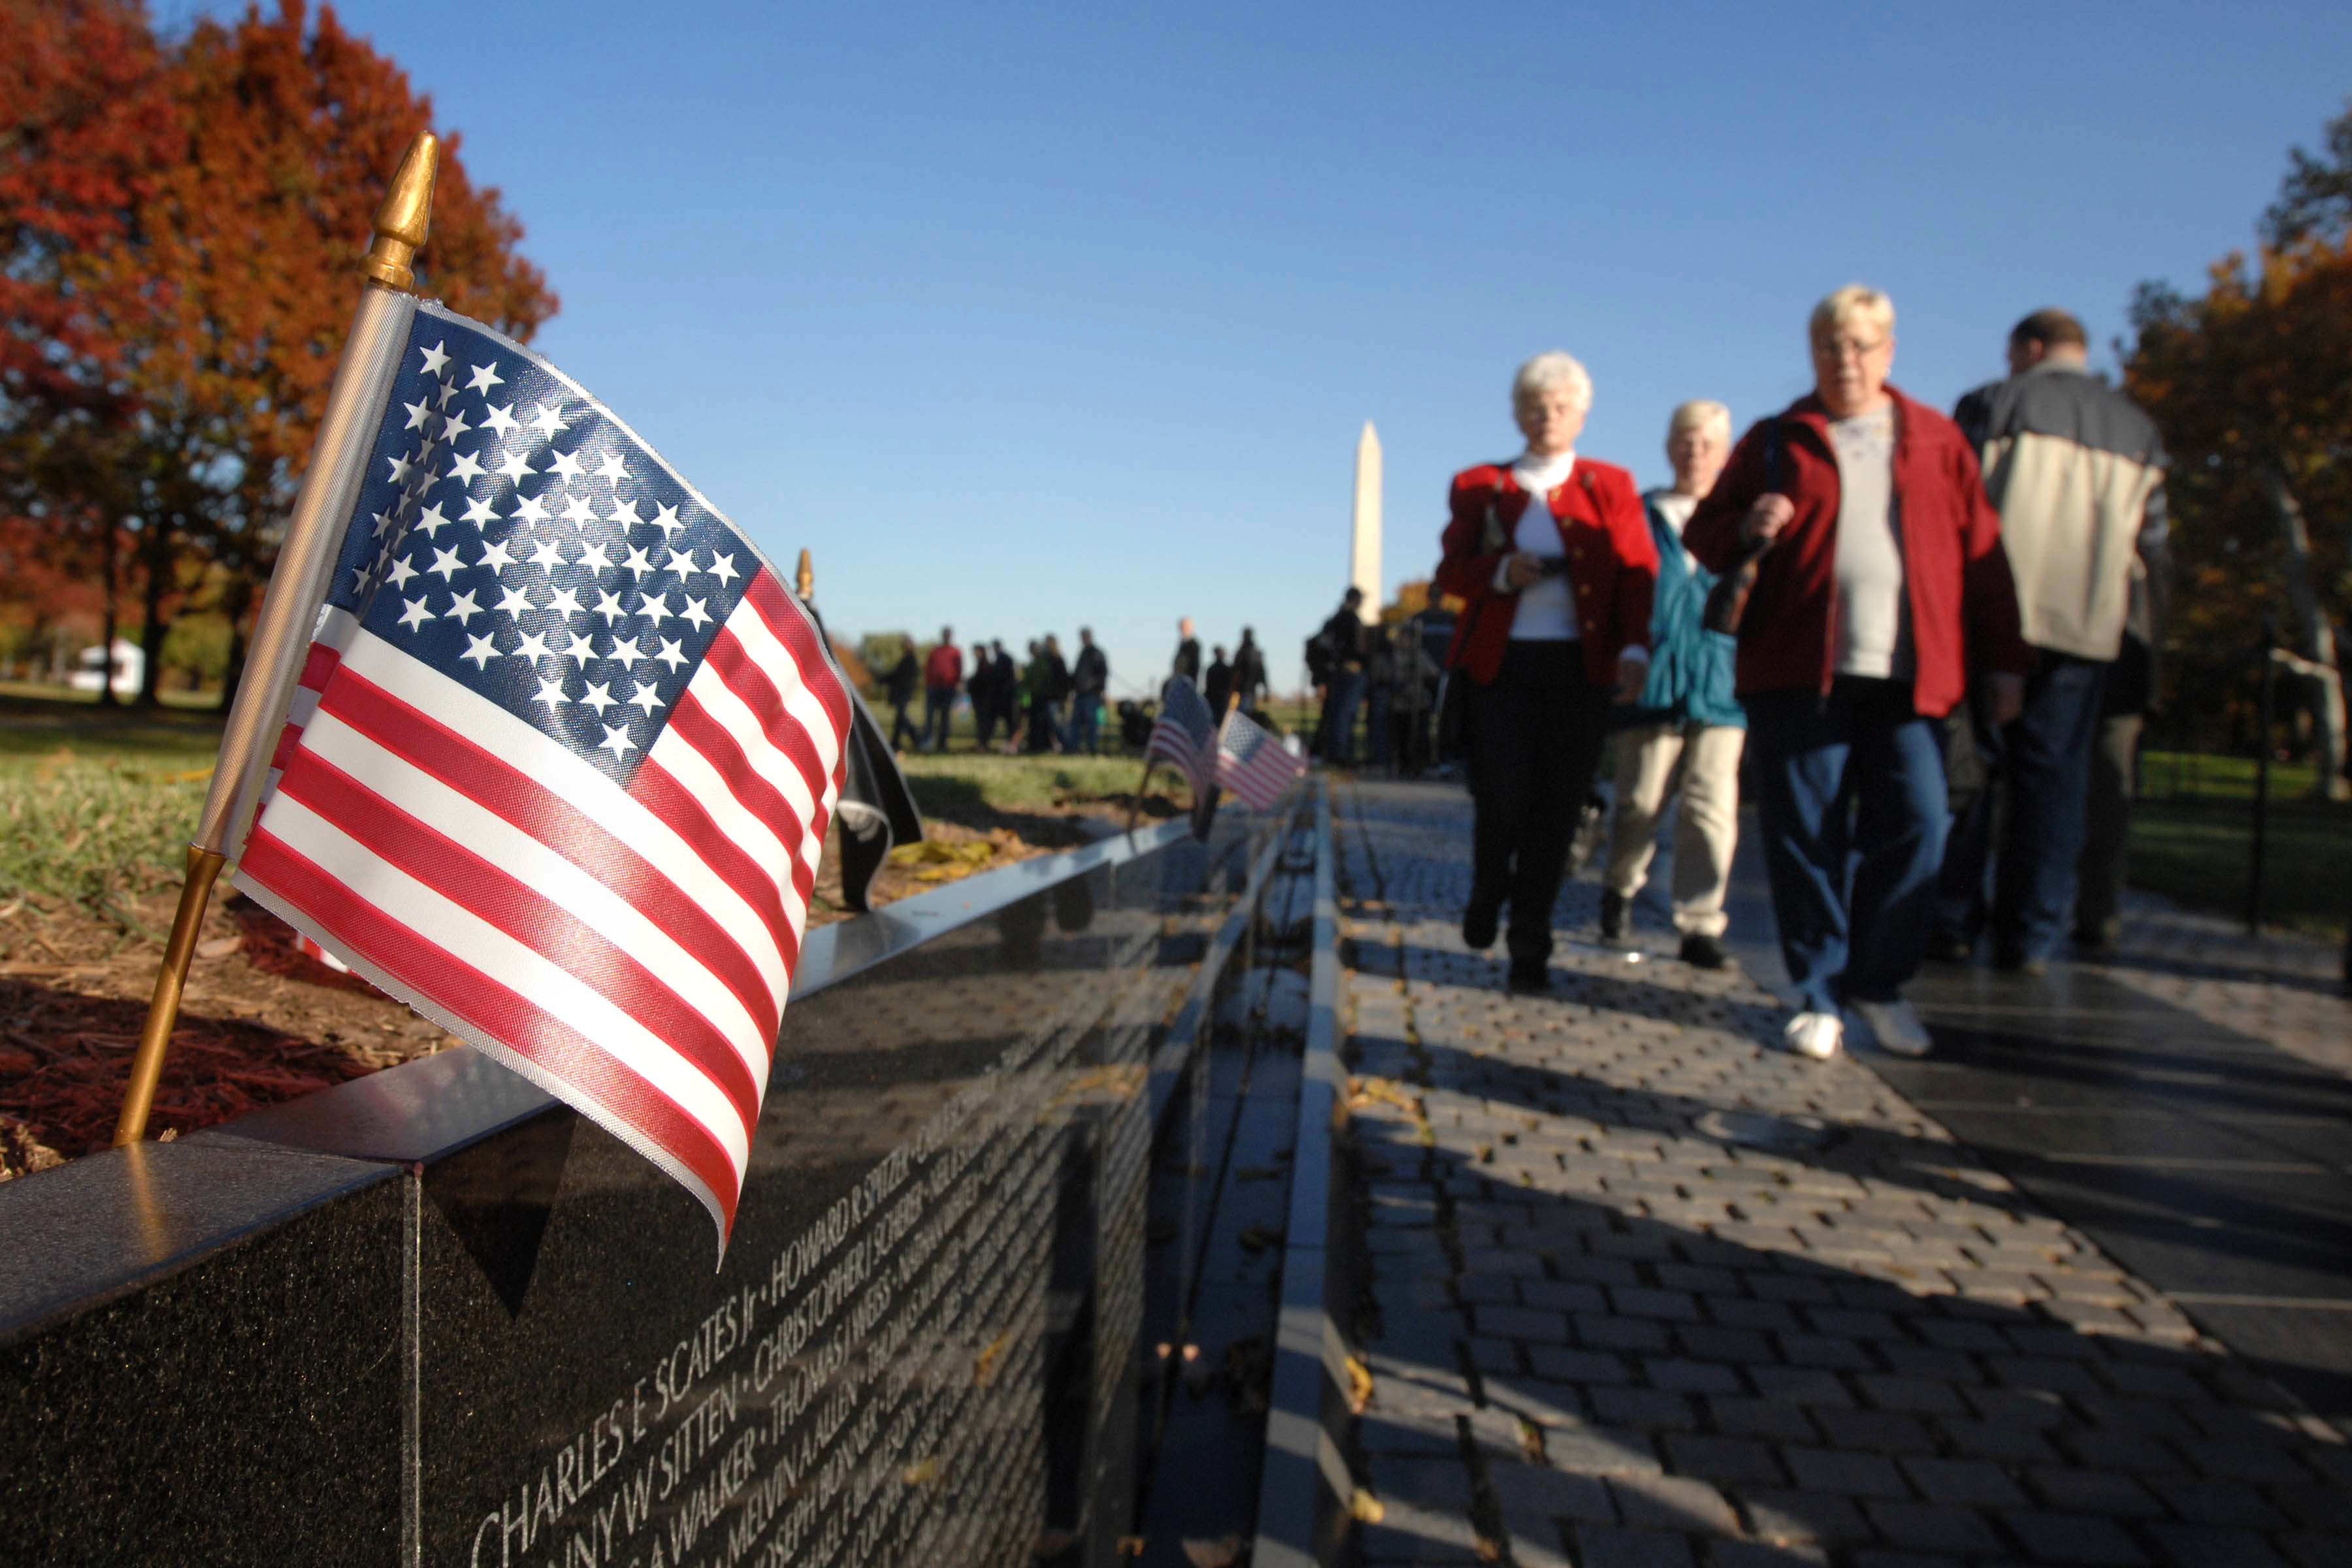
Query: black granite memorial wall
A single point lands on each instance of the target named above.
(431, 1317)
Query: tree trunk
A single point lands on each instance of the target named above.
(110, 618)
(2319, 638)
(155, 547)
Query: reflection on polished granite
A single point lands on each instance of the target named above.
(939, 1256)
(2207, 1161)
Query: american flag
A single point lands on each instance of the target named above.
(559, 765)
(1253, 764)
(1183, 735)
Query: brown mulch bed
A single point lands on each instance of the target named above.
(261, 1023)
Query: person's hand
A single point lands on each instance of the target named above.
(2008, 694)
(1633, 675)
(1767, 518)
(1519, 569)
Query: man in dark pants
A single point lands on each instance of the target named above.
(1187, 662)
(1249, 672)
(2115, 783)
(980, 687)
(1089, 680)
(904, 676)
(1343, 640)
(2077, 472)
(1217, 685)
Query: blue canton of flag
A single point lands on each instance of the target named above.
(522, 540)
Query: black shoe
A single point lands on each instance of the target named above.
(1530, 974)
(1613, 915)
(1950, 950)
(2010, 961)
(1704, 952)
(1479, 922)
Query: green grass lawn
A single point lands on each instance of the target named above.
(2205, 776)
(944, 781)
(96, 808)
(2198, 852)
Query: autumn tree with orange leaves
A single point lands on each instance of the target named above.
(182, 222)
(2252, 384)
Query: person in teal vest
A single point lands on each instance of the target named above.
(1688, 714)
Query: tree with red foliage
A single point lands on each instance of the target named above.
(181, 225)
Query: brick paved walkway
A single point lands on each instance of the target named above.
(1644, 1292)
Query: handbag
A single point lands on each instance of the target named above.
(1726, 602)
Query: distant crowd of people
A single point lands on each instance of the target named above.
(1050, 703)
(1931, 638)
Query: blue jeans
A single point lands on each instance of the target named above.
(1851, 805)
(2041, 764)
(1085, 724)
(1339, 716)
(938, 705)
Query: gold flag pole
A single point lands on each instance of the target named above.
(297, 587)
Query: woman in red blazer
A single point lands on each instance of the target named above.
(1553, 555)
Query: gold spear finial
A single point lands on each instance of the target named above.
(805, 579)
(401, 221)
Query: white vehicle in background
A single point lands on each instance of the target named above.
(130, 668)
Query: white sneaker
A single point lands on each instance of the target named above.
(1815, 1034)
(1894, 1027)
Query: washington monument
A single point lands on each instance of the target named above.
(1364, 545)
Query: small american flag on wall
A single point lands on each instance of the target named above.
(559, 766)
(1184, 734)
(1253, 764)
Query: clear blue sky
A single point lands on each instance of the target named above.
(1023, 317)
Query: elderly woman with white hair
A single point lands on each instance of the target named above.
(1879, 590)
(1552, 556)
(1687, 715)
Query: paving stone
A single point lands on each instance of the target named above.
(2189, 1546)
(1874, 1431)
(1854, 1475)
(1800, 1385)
(1941, 1527)
(1691, 1377)
(1578, 1366)
(1521, 1323)
(1732, 1460)
(2071, 1537)
(1598, 1546)
(1525, 1492)
(2093, 1491)
(1410, 1532)
(1673, 1502)
(1764, 1554)
(1443, 1483)
(1964, 1481)
(1384, 1432)
(1601, 1450)
(1991, 1440)
(2225, 1503)
(1541, 1400)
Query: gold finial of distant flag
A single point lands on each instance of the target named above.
(297, 587)
(805, 579)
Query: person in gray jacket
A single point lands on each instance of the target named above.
(2076, 470)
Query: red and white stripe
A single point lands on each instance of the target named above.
(629, 949)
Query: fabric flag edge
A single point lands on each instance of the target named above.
(477, 1039)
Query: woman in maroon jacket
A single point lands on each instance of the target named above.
(1553, 554)
(1880, 588)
